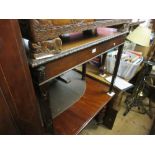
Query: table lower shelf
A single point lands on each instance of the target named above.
(75, 118)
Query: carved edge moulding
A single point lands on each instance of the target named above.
(45, 33)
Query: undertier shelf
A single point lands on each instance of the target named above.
(77, 116)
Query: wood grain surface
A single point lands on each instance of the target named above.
(15, 80)
(74, 119)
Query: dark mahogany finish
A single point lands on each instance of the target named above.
(18, 104)
(74, 119)
(56, 67)
(7, 124)
(17, 97)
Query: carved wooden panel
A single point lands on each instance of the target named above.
(42, 30)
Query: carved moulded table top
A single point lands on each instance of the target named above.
(76, 46)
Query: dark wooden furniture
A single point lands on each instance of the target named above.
(22, 112)
(8, 125)
(75, 118)
(19, 111)
(74, 53)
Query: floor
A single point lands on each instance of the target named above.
(133, 123)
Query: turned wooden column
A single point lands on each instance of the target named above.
(42, 92)
(120, 50)
(84, 66)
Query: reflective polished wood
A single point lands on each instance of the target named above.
(18, 101)
(75, 118)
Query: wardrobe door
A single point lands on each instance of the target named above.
(7, 125)
(15, 81)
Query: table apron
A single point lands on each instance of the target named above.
(57, 67)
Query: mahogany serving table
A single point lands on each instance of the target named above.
(75, 53)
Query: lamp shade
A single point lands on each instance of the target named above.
(141, 36)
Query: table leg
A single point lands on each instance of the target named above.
(42, 92)
(102, 63)
(84, 71)
(45, 108)
(120, 50)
